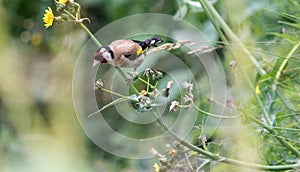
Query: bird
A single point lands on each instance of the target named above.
(128, 53)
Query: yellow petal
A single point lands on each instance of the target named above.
(48, 17)
(257, 91)
(156, 167)
(63, 1)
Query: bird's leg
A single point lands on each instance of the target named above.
(133, 77)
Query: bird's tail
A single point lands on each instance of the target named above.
(152, 42)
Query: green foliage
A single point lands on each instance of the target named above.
(37, 120)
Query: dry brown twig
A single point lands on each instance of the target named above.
(173, 46)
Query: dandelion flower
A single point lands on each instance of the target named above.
(48, 17)
(63, 1)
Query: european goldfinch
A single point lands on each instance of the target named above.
(125, 52)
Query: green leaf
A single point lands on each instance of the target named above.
(285, 100)
(295, 25)
(285, 36)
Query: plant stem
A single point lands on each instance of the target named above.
(268, 121)
(218, 158)
(125, 78)
(213, 12)
(147, 83)
(117, 94)
(283, 64)
(188, 145)
(85, 29)
(215, 115)
(90, 34)
(99, 45)
(276, 134)
(233, 37)
(107, 106)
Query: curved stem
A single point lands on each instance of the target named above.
(283, 64)
(147, 83)
(216, 116)
(125, 78)
(90, 34)
(99, 45)
(276, 134)
(215, 157)
(213, 13)
(85, 29)
(107, 106)
(117, 94)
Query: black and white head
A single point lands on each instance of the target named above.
(103, 55)
(152, 42)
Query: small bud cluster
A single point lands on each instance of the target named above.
(177, 158)
(67, 10)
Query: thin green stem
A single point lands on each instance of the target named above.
(99, 45)
(188, 145)
(147, 83)
(287, 129)
(121, 99)
(212, 12)
(283, 64)
(215, 115)
(287, 116)
(214, 15)
(117, 94)
(125, 78)
(85, 29)
(264, 111)
(107, 106)
(218, 158)
(231, 35)
(275, 133)
(156, 83)
(90, 34)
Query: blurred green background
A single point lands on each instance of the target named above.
(39, 130)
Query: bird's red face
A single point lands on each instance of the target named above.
(98, 56)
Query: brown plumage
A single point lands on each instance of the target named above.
(124, 48)
(125, 52)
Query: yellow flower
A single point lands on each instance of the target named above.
(257, 91)
(144, 93)
(48, 17)
(172, 152)
(63, 1)
(156, 167)
(36, 39)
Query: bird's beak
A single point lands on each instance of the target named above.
(96, 62)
